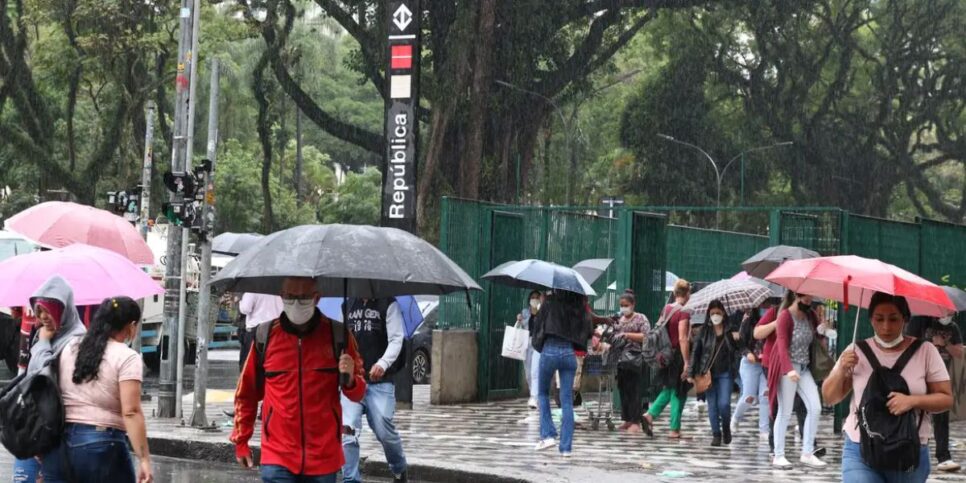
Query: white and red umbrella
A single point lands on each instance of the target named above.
(853, 279)
(93, 273)
(57, 224)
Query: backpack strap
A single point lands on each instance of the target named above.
(864, 346)
(262, 333)
(907, 355)
(338, 338)
(667, 314)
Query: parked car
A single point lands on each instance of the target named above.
(11, 245)
(422, 341)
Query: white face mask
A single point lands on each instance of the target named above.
(627, 311)
(535, 304)
(890, 344)
(717, 319)
(946, 320)
(299, 312)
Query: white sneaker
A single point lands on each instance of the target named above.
(781, 462)
(764, 436)
(734, 426)
(813, 461)
(545, 443)
(565, 454)
(532, 403)
(948, 465)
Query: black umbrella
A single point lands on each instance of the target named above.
(957, 296)
(766, 261)
(345, 261)
(234, 243)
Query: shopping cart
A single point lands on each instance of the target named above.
(602, 364)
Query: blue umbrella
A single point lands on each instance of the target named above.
(539, 274)
(412, 316)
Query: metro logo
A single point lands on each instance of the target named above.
(402, 57)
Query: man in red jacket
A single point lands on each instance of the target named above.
(299, 387)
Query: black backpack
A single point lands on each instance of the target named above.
(657, 350)
(888, 442)
(32, 417)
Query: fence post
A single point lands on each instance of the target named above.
(775, 227)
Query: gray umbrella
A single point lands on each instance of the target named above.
(957, 296)
(345, 260)
(234, 243)
(766, 261)
(539, 274)
(592, 268)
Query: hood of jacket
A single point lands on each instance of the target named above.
(56, 288)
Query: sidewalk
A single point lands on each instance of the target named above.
(468, 442)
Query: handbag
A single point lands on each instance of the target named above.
(820, 361)
(703, 381)
(631, 359)
(515, 341)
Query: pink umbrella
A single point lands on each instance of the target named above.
(94, 274)
(851, 278)
(56, 224)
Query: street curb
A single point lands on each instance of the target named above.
(225, 452)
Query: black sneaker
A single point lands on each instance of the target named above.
(400, 479)
(819, 453)
(726, 432)
(716, 440)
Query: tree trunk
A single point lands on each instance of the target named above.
(482, 67)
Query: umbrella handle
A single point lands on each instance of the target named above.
(858, 310)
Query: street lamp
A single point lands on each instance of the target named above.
(556, 108)
(720, 173)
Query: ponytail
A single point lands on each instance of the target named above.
(111, 317)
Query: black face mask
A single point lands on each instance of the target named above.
(804, 307)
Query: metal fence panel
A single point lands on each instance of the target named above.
(701, 255)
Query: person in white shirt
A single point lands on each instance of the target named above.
(257, 309)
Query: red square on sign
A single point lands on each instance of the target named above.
(402, 57)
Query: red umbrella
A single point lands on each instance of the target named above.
(851, 278)
(57, 224)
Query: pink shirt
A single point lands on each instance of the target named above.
(925, 366)
(98, 402)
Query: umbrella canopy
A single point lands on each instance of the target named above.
(736, 295)
(411, 314)
(539, 274)
(853, 279)
(957, 296)
(767, 260)
(57, 224)
(592, 268)
(345, 260)
(94, 273)
(777, 291)
(233, 243)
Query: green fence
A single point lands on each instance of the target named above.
(703, 255)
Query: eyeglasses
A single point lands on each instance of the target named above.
(302, 301)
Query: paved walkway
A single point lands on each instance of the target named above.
(497, 438)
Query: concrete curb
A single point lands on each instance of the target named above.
(225, 452)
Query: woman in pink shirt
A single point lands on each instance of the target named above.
(925, 373)
(100, 382)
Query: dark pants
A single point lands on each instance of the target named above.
(245, 338)
(279, 474)
(93, 454)
(940, 425)
(719, 403)
(629, 385)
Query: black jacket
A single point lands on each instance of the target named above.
(703, 349)
(557, 320)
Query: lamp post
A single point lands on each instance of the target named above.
(719, 173)
(556, 108)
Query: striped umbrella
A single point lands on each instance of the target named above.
(736, 295)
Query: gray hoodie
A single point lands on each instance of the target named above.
(41, 351)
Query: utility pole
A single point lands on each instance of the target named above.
(186, 231)
(298, 157)
(173, 296)
(146, 192)
(198, 417)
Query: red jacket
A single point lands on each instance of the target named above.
(301, 412)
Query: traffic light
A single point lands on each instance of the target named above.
(126, 203)
(174, 212)
(180, 183)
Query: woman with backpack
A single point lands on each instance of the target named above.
(100, 382)
(632, 329)
(789, 374)
(676, 320)
(875, 375)
(711, 357)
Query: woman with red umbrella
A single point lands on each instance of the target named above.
(930, 390)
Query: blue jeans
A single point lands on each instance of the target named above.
(281, 474)
(719, 402)
(754, 385)
(94, 454)
(557, 356)
(854, 470)
(379, 405)
(26, 471)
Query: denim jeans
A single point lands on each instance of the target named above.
(281, 474)
(807, 389)
(719, 402)
(26, 471)
(557, 356)
(379, 406)
(94, 454)
(854, 470)
(754, 386)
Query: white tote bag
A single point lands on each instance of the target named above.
(515, 342)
